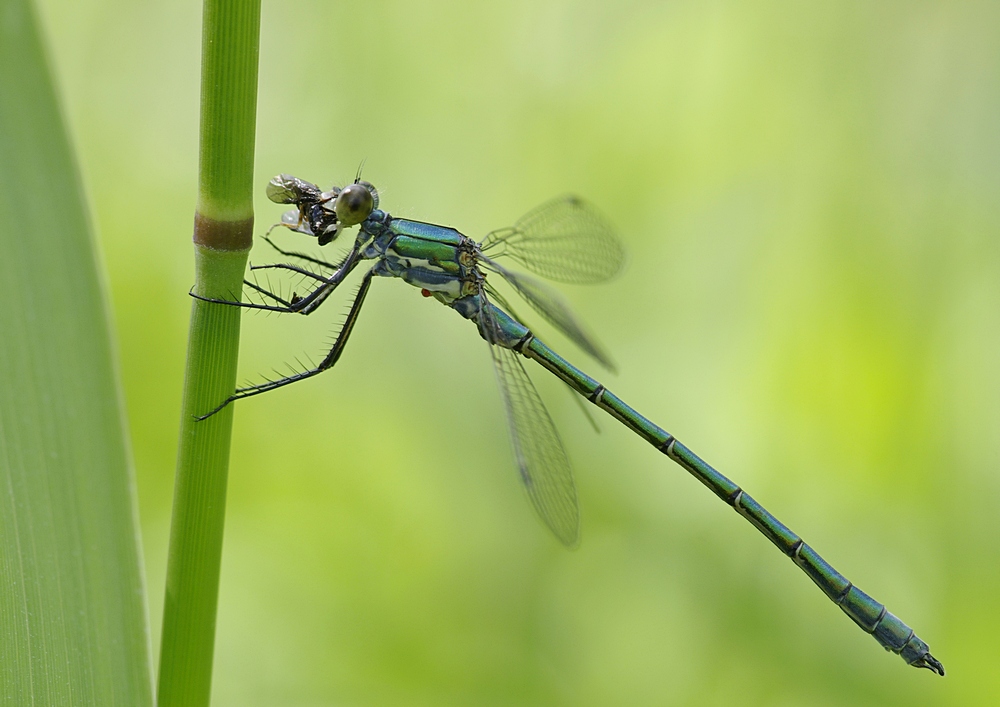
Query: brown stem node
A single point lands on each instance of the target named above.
(223, 235)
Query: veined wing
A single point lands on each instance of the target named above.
(538, 451)
(554, 310)
(565, 239)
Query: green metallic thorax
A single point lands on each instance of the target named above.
(437, 259)
(428, 253)
(427, 231)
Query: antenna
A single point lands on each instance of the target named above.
(360, 167)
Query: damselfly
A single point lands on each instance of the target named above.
(565, 240)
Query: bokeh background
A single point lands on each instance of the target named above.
(809, 195)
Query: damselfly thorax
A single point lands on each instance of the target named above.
(439, 261)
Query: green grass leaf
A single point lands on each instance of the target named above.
(72, 608)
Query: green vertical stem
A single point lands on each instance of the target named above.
(222, 236)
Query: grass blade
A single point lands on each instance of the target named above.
(72, 610)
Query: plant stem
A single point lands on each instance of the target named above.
(222, 236)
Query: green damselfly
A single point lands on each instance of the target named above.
(565, 240)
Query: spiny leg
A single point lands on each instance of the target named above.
(328, 362)
(285, 307)
(304, 256)
(267, 293)
(271, 295)
(307, 304)
(292, 268)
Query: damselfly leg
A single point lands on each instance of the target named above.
(328, 361)
(304, 305)
(304, 256)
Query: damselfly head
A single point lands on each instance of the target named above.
(286, 189)
(355, 203)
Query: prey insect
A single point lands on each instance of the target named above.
(565, 240)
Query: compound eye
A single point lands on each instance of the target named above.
(354, 204)
(286, 189)
(371, 187)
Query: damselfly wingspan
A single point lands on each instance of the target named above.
(565, 239)
(538, 451)
(554, 310)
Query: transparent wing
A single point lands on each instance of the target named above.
(554, 310)
(538, 451)
(565, 239)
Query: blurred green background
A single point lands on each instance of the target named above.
(809, 195)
